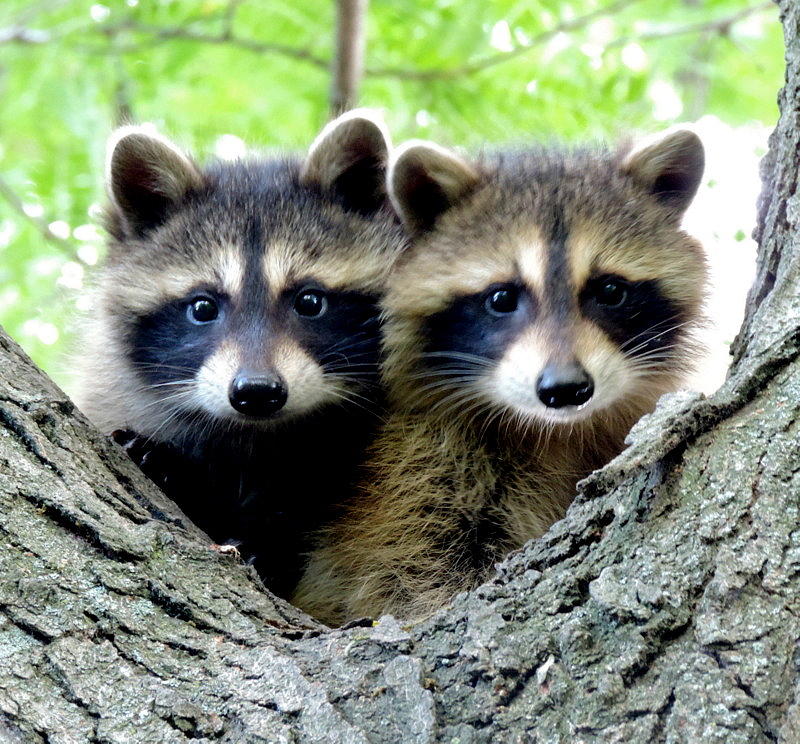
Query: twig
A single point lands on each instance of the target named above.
(348, 65)
(177, 32)
(41, 225)
(470, 68)
(720, 26)
(229, 16)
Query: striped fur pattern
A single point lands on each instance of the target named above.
(259, 269)
(524, 266)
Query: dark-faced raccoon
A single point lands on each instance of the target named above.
(236, 328)
(547, 302)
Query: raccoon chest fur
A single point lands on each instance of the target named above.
(440, 507)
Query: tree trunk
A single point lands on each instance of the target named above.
(348, 62)
(664, 608)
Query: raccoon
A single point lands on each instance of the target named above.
(236, 328)
(548, 300)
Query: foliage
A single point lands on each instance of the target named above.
(461, 73)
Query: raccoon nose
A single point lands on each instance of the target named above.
(562, 385)
(257, 396)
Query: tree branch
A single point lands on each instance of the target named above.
(165, 33)
(229, 16)
(720, 26)
(470, 68)
(348, 65)
(158, 34)
(11, 197)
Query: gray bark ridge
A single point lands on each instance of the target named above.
(665, 607)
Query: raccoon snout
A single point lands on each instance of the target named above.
(561, 385)
(257, 395)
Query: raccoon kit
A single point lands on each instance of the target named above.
(235, 328)
(547, 302)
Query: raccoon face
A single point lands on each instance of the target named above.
(543, 286)
(245, 294)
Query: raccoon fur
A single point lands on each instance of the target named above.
(235, 328)
(547, 302)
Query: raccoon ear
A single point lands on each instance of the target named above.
(146, 175)
(670, 167)
(348, 159)
(425, 180)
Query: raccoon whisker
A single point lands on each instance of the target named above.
(171, 417)
(464, 377)
(335, 367)
(452, 399)
(517, 419)
(468, 414)
(451, 403)
(348, 353)
(658, 349)
(665, 347)
(495, 415)
(476, 412)
(450, 378)
(349, 398)
(661, 322)
(362, 380)
(433, 388)
(351, 342)
(459, 356)
(344, 362)
(657, 357)
(355, 371)
(147, 388)
(348, 379)
(340, 359)
(168, 399)
(170, 383)
(212, 423)
(642, 351)
(454, 404)
(159, 365)
(449, 373)
(643, 344)
(653, 363)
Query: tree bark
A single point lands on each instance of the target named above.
(664, 608)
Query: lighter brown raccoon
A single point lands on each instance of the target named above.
(548, 301)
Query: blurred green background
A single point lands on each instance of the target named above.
(218, 75)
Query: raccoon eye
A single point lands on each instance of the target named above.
(202, 310)
(502, 301)
(310, 303)
(611, 293)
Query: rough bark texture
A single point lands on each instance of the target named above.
(664, 608)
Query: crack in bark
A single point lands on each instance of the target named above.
(13, 423)
(27, 627)
(71, 522)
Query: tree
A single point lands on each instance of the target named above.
(665, 607)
